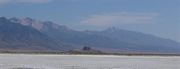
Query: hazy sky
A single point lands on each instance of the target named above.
(157, 17)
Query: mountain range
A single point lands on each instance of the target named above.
(28, 34)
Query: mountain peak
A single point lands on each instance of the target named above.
(37, 24)
(112, 29)
(42, 32)
(28, 22)
(14, 19)
(28, 18)
(3, 18)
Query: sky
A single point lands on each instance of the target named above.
(156, 17)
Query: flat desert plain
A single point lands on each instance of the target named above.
(24, 61)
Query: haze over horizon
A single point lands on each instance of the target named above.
(157, 17)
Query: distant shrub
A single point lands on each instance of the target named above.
(85, 48)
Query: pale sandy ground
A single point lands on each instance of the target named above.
(50, 61)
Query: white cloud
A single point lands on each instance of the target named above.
(4, 1)
(119, 18)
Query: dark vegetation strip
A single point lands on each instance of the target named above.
(90, 53)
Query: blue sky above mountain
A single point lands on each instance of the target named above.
(158, 17)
